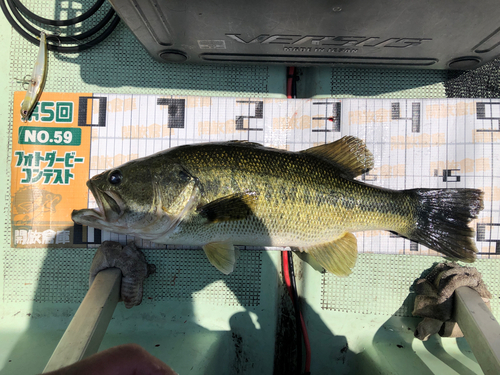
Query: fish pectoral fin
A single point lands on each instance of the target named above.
(349, 154)
(236, 206)
(222, 255)
(337, 257)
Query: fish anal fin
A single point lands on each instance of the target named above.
(349, 154)
(337, 257)
(236, 206)
(222, 255)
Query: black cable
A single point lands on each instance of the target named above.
(296, 307)
(57, 48)
(62, 39)
(47, 21)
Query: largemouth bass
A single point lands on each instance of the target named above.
(217, 195)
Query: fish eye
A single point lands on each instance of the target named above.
(115, 177)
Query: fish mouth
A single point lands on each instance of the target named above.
(109, 207)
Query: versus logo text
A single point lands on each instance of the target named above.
(320, 40)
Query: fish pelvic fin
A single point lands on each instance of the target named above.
(349, 154)
(222, 255)
(441, 220)
(337, 257)
(236, 206)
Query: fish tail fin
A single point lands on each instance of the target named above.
(441, 219)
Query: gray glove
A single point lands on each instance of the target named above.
(130, 261)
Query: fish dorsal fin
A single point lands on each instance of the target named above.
(244, 143)
(231, 207)
(349, 154)
(222, 256)
(337, 257)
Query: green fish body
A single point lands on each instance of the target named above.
(217, 195)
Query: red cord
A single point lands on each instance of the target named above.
(286, 274)
(305, 336)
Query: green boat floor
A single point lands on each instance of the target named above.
(197, 320)
(364, 321)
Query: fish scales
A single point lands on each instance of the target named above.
(217, 195)
(300, 198)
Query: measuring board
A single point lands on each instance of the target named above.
(428, 143)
